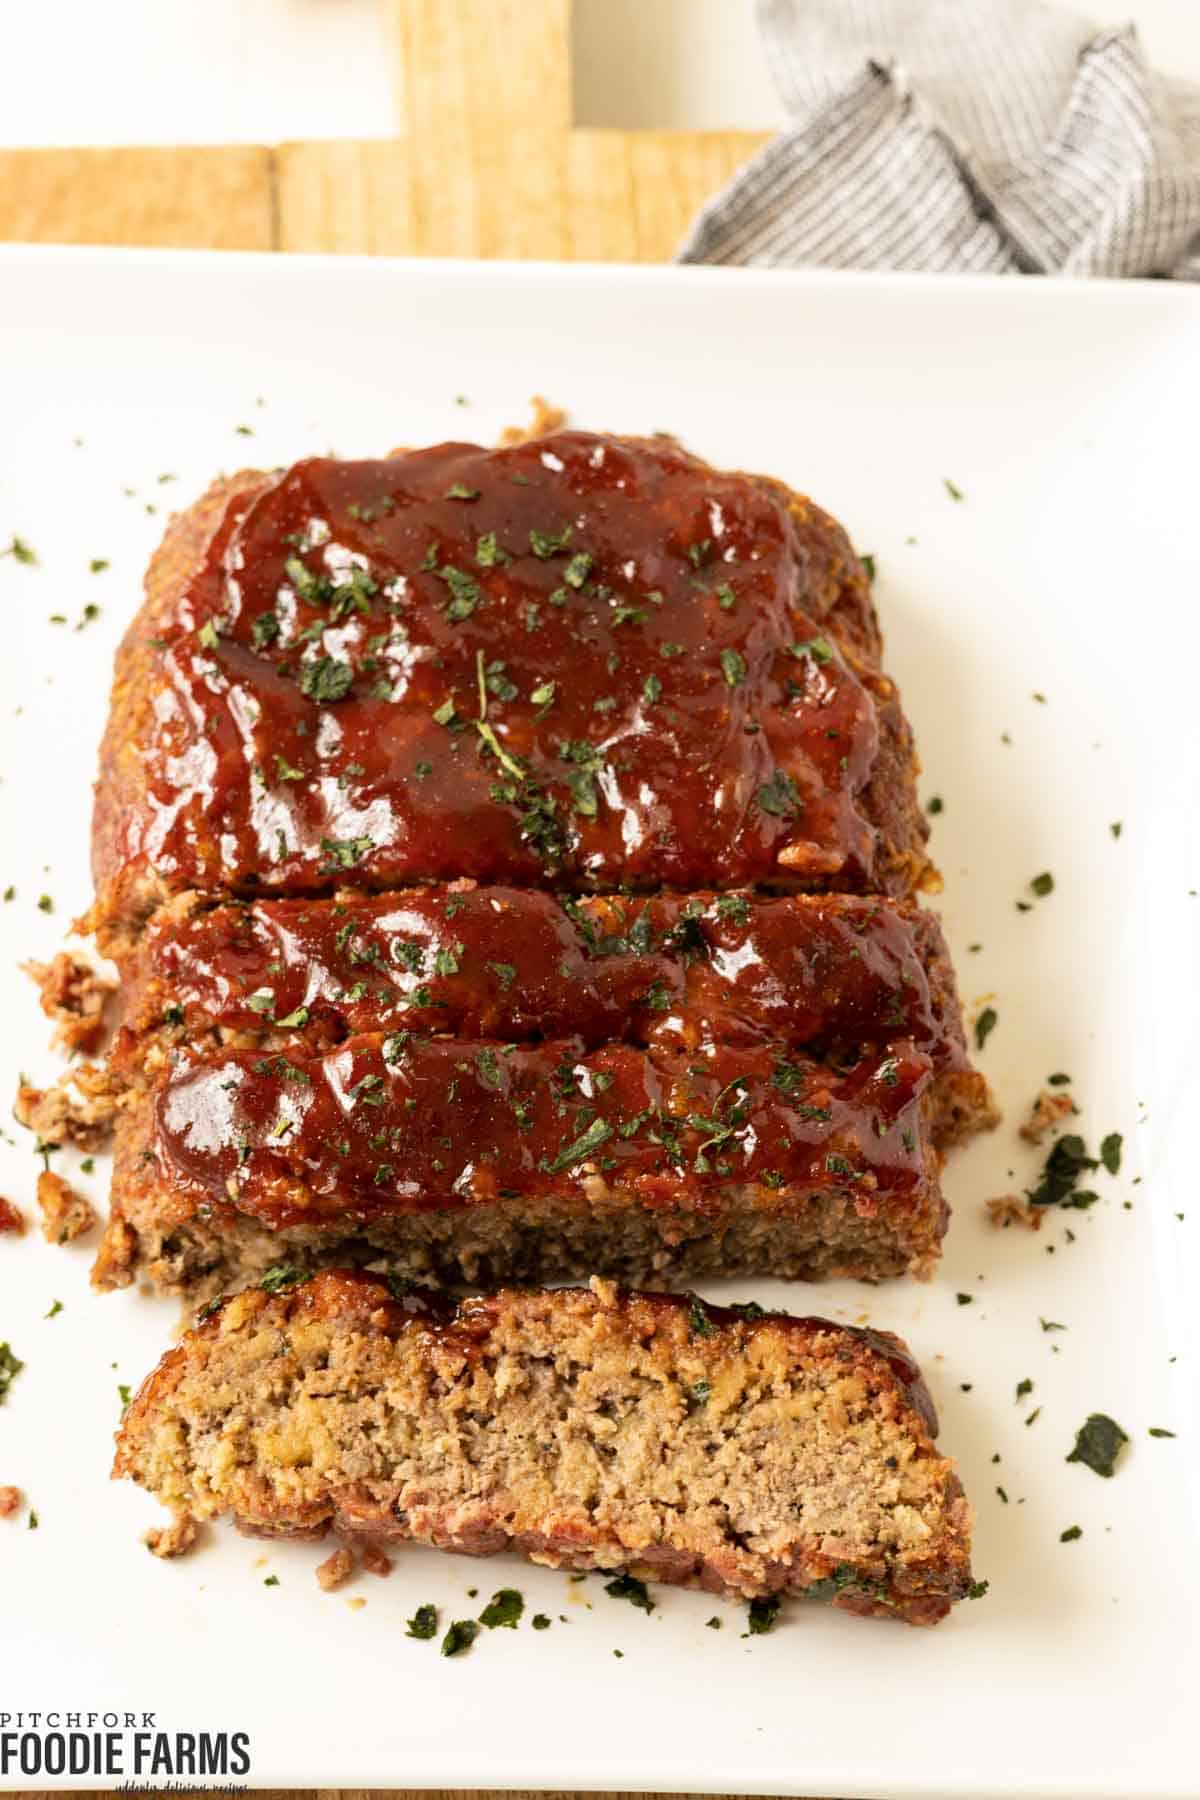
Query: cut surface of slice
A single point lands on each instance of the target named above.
(799, 1455)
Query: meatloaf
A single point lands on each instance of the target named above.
(743, 1453)
(477, 1160)
(833, 971)
(587, 662)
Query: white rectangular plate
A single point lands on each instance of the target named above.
(1043, 631)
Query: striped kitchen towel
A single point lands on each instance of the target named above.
(963, 135)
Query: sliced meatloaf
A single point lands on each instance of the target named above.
(829, 971)
(743, 1453)
(585, 661)
(482, 1160)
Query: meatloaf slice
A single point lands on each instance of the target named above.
(673, 972)
(585, 660)
(744, 1453)
(485, 1161)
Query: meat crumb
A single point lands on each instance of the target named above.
(12, 1219)
(79, 1109)
(10, 1501)
(66, 1215)
(375, 1562)
(336, 1570)
(1010, 1209)
(1047, 1110)
(175, 1539)
(74, 995)
(546, 418)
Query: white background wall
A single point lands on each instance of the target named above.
(211, 71)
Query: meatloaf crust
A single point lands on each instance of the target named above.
(586, 660)
(479, 1160)
(743, 1453)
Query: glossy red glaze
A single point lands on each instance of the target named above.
(405, 1125)
(586, 660)
(518, 964)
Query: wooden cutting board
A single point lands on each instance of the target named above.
(486, 163)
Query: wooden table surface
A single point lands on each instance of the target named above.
(486, 163)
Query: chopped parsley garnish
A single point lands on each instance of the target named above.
(1058, 1183)
(954, 492)
(465, 592)
(1110, 1152)
(935, 804)
(581, 778)
(10, 1367)
(699, 1322)
(98, 565)
(628, 1587)
(985, 1024)
(578, 569)
(505, 974)
(488, 553)
(1098, 1443)
(488, 1069)
(1158, 1431)
(20, 551)
(547, 544)
(1058, 1079)
(818, 648)
(458, 492)
(280, 1276)
(651, 689)
(1070, 1534)
(978, 1589)
(271, 1581)
(734, 907)
(763, 1614)
(284, 770)
(779, 796)
(1115, 828)
(734, 667)
(126, 1395)
(540, 1621)
(1043, 884)
(45, 903)
(597, 1133)
(264, 629)
(326, 679)
(343, 853)
(965, 1299)
(55, 1309)
(294, 1020)
(503, 1609)
(1024, 1387)
(868, 563)
(459, 1637)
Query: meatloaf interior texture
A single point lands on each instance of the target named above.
(801, 1455)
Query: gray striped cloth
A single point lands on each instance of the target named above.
(1003, 136)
